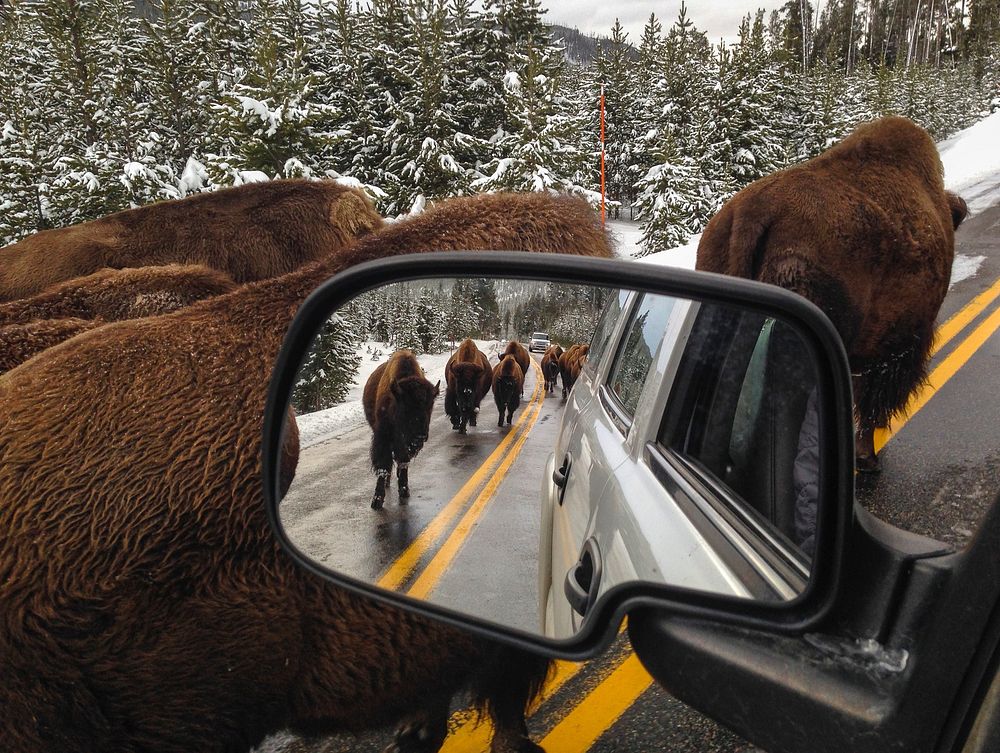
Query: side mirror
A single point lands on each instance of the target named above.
(689, 448)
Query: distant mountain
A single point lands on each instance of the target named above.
(580, 48)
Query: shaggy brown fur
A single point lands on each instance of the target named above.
(550, 366)
(252, 232)
(144, 601)
(520, 353)
(19, 342)
(468, 377)
(865, 231)
(508, 384)
(115, 294)
(570, 364)
(398, 401)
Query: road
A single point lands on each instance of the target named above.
(940, 472)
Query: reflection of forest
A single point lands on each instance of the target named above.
(428, 316)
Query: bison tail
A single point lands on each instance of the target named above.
(883, 387)
(510, 685)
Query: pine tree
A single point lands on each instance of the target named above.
(329, 368)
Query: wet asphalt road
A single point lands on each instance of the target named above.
(940, 473)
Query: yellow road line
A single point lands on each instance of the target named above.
(450, 548)
(407, 562)
(599, 709)
(941, 374)
(603, 706)
(469, 737)
(966, 314)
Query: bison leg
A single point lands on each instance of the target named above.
(380, 484)
(506, 689)
(422, 733)
(472, 418)
(402, 473)
(865, 459)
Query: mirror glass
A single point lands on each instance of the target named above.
(515, 449)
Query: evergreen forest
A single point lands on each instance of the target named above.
(111, 104)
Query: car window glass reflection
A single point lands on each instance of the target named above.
(645, 331)
(744, 412)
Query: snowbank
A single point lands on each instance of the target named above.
(971, 160)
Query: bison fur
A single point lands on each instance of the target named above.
(468, 378)
(398, 401)
(251, 232)
(508, 385)
(145, 603)
(866, 232)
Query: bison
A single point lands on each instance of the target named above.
(570, 364)
(866, 232)
(468, 378)
(398, 400)
(520, 353)
(251, 232)
(116, 294)
(508, 385)
(550, 366)
(145, 603)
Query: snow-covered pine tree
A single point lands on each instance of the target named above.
(268, 113)
(329, 368)
(615, 69)
(422, 141)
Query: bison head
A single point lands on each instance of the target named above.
(466, 380)
(414, 402)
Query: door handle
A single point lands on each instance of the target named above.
(561, 474)
(583, 579)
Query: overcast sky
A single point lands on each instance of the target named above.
(717, 18)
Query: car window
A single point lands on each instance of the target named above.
(743, 414)
(606, 325)
(639, 344)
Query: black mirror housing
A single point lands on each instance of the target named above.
(836, 482)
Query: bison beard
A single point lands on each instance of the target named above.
(508, 385)
(144, 601)
(866, 232)
(398, 401)
(251, 232)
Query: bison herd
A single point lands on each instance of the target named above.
(144, 601)
(398, 400)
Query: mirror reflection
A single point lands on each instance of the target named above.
(515, 449)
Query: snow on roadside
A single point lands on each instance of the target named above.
(326, 424)
(971, 160)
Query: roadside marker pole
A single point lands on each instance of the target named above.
(602, 156)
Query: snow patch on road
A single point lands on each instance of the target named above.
(971, 162)
(964, 267)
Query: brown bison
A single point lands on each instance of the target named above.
(145, 603)
(115, 294)
(398, 400)
(468, 377)
(520, 353)
(19, 342)
(508, 384)
(865, 231)
(550, 366)
(570, 364)
(252, 232)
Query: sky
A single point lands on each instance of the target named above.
(717, 18)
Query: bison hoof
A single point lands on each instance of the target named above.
(377, 502)
(523, 745)
(416, 738)
(867, 464)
